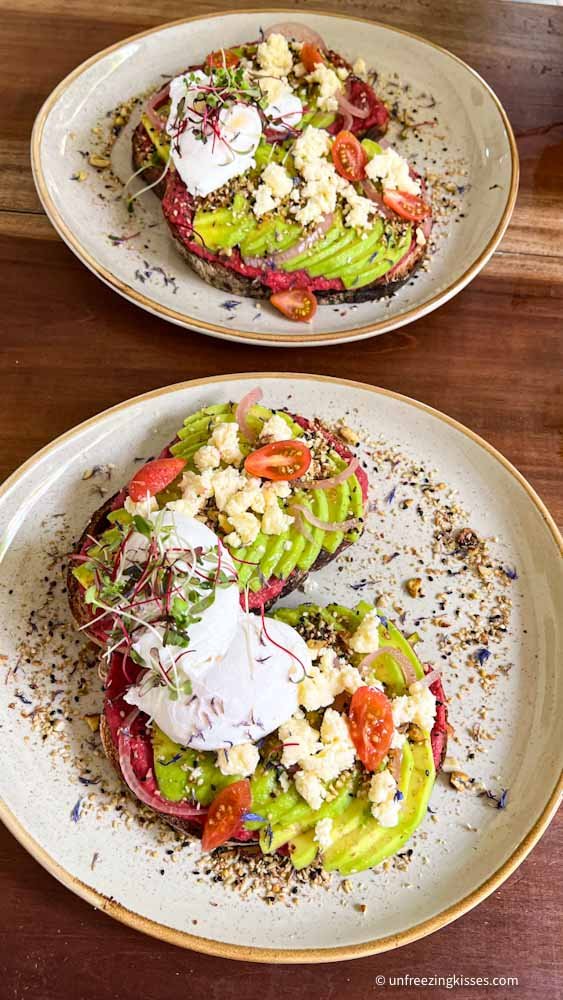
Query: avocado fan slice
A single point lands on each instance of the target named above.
(353, 277)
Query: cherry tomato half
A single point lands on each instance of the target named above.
(154, 477)
(225, 814)
(279, 460)
(222, 59)
(311, 56)
(349, 156)
(298, 304)
(370, 722)
(408, 206)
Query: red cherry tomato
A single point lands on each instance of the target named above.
(298, 304)
(311, 56)
(279, 460)
(370, 722)
(222, 59)
(349, 156)
(225, 814)
(154, 477)
(408, 206)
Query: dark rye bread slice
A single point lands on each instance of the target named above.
(271, 590)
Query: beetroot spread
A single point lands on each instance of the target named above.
(361, 95)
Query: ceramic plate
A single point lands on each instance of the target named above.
(67, 806)
(469, 154)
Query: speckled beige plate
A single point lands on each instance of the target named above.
(462, 853)
(471, 148)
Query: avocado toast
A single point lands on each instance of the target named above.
(344, 782)
(271, 182)
(277, 522)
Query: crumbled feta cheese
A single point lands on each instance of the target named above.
(419, 706)
(299, 741)
(247, 527)
(310, 788)
(250, 497)
(281, 489)
(420, 237)
(278, 180)
(207, 457)
(342, 73)
(284, 781)
(241, 760)
(232, 540)
(312, 144)
(141, 507)
(324, 682)
(225, 439)
(274, 56)
(337, 753)
(195, 491)
(359, 68)
(275, 429)
(226, 482)
(329, 86)
(323, 832)
(274, 520)
(398, 740)
(263, 201)
(334, 729)
(274, 89)
(361, 212)
(393, 171)
(299, 70)
(366, 637)
(385, 808)
(319, 192)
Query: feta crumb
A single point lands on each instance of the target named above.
(299, 740)
(274, 89)
(279, 182)
(312, 144)
(419, 707)
(366, 637)
(207, 457)
(232, 540)
(241, 760)
(361, 212)
(247, 527)
(275, 429)
(225, 439)
(263, 201)
(329, 86)
(274, 520)
(274, 56)
(342, 73)
(250, 496)
(226, 482)
(311, 789)
(141, 507)
(323, 832)
(393, 171)
(359, 68)
(386, 807)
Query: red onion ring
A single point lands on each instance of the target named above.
(352, 522)
(251, 398)
(395, 764)
(405, 664)
(183, 810)
(430, 678)
(326, 484)
(371, 192)
(150, 110)
(347, 108)
(280, 256)
(302, 527)
(297, 33)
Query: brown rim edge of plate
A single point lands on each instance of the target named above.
(250, 953)
(233, 334)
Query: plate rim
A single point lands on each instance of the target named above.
(251, 953)
(233, 333)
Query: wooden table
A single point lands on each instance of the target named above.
(492, 358)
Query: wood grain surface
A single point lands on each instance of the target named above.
(492, 358)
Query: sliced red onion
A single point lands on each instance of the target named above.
(241, 412)
(327, 484)
(371, 192)
(183, 810)
(426, 226)
(405, 664)
(395, 764)
(151, 108)
(296, 33)
(352, 522)
(301, 526)
(281, 256)
(430, 678)
(347, 108)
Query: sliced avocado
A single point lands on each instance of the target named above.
(316, 263)
(173, 766)
(360, 249)
(372, 148)
(253, 556)
(377, 842)
(319, 504)
(297, 262)
(318, 119)
(302, 817)
(159, 140)
(353, 277)
(274, 153)
(338, 499)
(270, 235)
